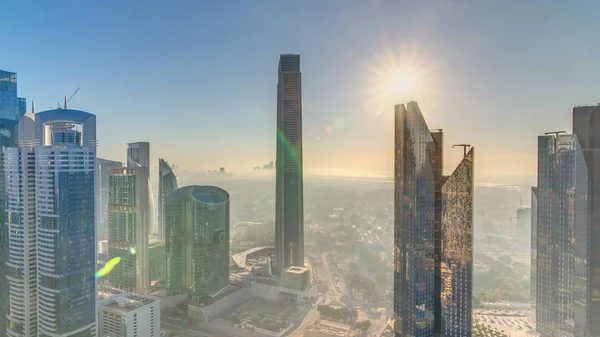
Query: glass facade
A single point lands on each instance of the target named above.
(158, 259)
(534, 210)
(433, 232)
(586, 125)
(414, 224)
(563, 240)
(197, 241)
(289, 202)
(103, 171)
(457, 250)
(128, 216)
(167, 183)
(11, 106)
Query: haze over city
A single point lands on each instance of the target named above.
(198, 75)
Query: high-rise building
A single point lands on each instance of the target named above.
(50, 190)
(158, 260)
(289, 204)
(524, 223)
(129, 315)
(103, 172)
(433, 232)
(138, 154)
(8, 138)
(129, 213)
(167, 183)
(563, 240)
(197, 241)
(533, 274)
(586, 125)
(11, 106)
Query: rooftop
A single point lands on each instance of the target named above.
(240, 258)
(127, 301)
(328, 327)
(297, 270)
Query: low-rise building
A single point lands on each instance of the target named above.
(323, 328)
(129, 315)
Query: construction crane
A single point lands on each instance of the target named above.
(68, 99)
(464, 146)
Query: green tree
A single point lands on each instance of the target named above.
(363, 325)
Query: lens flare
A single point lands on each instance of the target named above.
(132, 250)
(108, 267)
(288, 148)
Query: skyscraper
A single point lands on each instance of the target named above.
(586, 125)
(8, 134)
(563, 240)
(433, 227)
(167, 183)
(289, 204)
(197, 241)
(533, 274)
(138, 154)
(103, 172)
(129, 213)
(50, 185)
(11, 106)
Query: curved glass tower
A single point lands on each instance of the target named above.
(167, 183)
(197, 241)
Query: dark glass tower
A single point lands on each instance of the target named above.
(586, 125)
(11, 106)
(289, 210)
(534, 210)
(563, 240)
(432, 232)
(167, 183)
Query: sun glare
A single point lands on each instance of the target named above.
(395, 78)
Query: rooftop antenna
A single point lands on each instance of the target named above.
(464, 146)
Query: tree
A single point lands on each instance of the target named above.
(235, 320)
(363, 325)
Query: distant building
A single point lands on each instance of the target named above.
(158, 261)
(534, 215)
(323, 328)
(104, 167)
(197, 241)
(138, 154)
(129, 315)
(50, 190)
(128, 228)
(11, 107)
(563, 240)
(433, 232)
(524, 223)
(167, 183)
(289, 200)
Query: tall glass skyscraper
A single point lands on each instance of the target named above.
(534, 213)
(104, 166)
(50, 183)
(11, 106)
(563, 240)
(586, 125)
(432, 232)
(167, 183)
(197, 241)
(289, 202)
(128, 216)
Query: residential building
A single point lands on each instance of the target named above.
(197, 241)
(129, 315)
(167, 183)
(50, 190)
(586, 125)
(289, 204)
(433, 232)
(129, 214)
(563, 240)
(11, 106)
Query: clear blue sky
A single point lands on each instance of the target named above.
(198, 78)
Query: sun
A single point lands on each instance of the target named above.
(398, 77)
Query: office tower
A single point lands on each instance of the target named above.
(563, 243)
(157, 257)
(533, 273)
(289, 204)
(50, 185)
(586, 125)
(197, 241)
(8, 134)
(129, 315)
(104, 167)
(167, 183)
(138, 154)
(11, 106)
(433, 232)
(129, 213)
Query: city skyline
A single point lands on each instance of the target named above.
(195, 83)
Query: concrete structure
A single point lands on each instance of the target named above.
(167, 183)
(50, 188)
(129, 216)
(433, 232)
(563, 240)
(228, 299)
(297, 278)
(104, 167)
(138, 154)
(241, 258)
(197, 241)
(129, 315)
(524, 223)
(323, 328)
(586, 125)
(289, 200)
